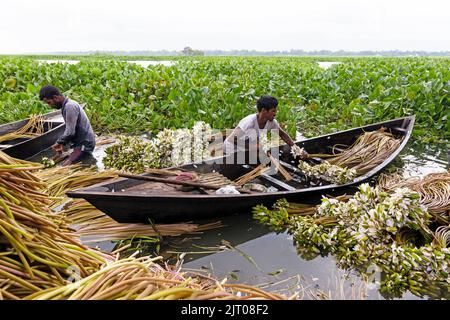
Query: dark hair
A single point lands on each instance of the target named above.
(48, 92)
(266, 102)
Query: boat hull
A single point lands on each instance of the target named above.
(118, 201)
(26, 148)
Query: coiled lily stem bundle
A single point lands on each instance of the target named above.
(434, 190)
(368, 151)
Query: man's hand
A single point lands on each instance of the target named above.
(304, 155)
(296, 151)
(58, 148)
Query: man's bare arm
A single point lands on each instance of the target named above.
(286, 138)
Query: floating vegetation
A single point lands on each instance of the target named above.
(374, 227)
(168, 148)
(34, 127)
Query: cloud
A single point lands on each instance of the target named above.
(49, 25)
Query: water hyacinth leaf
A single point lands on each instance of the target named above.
(10, 83)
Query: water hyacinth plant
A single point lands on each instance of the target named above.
(390, 230)
(125, 97)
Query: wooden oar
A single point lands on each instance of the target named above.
(181, 183)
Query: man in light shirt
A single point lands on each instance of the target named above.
(250, 128)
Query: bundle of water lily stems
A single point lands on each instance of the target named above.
(40, 256)
(36, 250)
(34, 127)
(255, 173)
(368, 151)
(143, 279)
(434, 190)
(95, 226)
(59, 180)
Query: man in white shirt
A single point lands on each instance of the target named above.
(249, 128)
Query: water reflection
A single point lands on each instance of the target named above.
(421, 159)
(327, 64)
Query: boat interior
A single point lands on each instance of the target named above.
(48, 125)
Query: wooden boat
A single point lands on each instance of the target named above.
(131, 200)
(24, 148)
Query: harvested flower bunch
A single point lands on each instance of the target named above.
(328, 172)
(47, 162)
(434, 190)
(389, 230)
(168, 148)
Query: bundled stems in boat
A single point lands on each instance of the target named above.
(368, 151)
(280, 168)
(34, 127)
(251, 175)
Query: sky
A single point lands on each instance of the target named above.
(45, 26)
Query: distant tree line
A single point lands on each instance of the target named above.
(188, 51)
